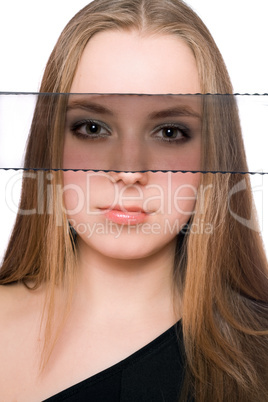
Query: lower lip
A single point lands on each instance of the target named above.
(125, 217)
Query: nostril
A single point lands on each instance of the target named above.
(131, 178)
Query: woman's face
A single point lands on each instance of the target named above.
(133, 214)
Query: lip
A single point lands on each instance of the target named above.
(131, 215)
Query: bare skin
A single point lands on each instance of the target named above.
(105, 337)
(119, 305)
(103, 330)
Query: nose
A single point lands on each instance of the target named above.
(130, 178)
(131, 153)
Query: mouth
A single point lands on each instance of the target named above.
(131, 215)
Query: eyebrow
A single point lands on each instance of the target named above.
(90, 106)
(177, 111)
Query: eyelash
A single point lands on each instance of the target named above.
(77, 125)
(184, 130)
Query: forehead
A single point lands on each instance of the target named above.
(128, 62)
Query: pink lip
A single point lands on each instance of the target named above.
(125, 216)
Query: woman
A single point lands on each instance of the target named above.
(109, 299)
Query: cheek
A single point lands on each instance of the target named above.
(178, 193)
(185, 193)
(83, 193)
(73, 192)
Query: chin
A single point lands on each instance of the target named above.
(127, 250)
(125, 247)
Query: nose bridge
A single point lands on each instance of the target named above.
(132, 153)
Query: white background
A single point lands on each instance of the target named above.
(30, 28)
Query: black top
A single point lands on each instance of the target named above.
(152, 374)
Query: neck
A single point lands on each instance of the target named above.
(126, 289)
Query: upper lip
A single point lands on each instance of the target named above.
(124, 208)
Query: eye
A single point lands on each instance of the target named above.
(90, 129)
(172, 133)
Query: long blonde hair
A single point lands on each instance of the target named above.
(222, 276)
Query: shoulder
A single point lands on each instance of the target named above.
(15, 297)
(9, 298)
(13, 308)
(11, 289)
(19, 309)
(20, 314)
